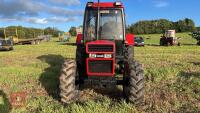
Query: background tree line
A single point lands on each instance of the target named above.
(26, 32)
(159, 26)
(140, 27)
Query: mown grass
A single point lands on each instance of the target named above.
(172, 79)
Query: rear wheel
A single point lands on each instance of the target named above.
(68, 91)
(134, 79)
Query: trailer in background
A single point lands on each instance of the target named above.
(32, 38)
(32, 41)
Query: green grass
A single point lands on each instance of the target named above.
(172, 79)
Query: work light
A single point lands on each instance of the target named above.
(117, 3)
(90, 4)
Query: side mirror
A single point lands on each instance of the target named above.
(129, 39)
(79, 39)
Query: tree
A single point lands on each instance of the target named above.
(72, 31)
(51, 31)
(159, 26)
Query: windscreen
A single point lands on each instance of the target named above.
(111, 25)
(110, 28)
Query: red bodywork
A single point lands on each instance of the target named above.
(101, 42)
(79, 38)
(129, 39)
(105, 5)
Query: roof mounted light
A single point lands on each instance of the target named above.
(90, 4)
(118, 3)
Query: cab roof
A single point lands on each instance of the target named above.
(104, 5)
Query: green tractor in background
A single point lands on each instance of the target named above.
(196, 35)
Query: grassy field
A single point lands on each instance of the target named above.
(172, 79)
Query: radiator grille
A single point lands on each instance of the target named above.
(100, 48)
(100, 66)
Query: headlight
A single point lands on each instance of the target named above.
(107, 55)
(92, 55)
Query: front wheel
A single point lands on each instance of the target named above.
(68, 91)
(134, 82)
(129, 53)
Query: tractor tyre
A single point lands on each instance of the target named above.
(134, 87)
(68, 89)
(129, 53)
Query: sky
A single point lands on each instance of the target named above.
(63, 14)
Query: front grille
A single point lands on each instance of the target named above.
(100, 66)
(100, 48)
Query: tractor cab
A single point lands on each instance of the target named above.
(104, 37)
(109, 25)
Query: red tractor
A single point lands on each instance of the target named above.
(104, 55)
